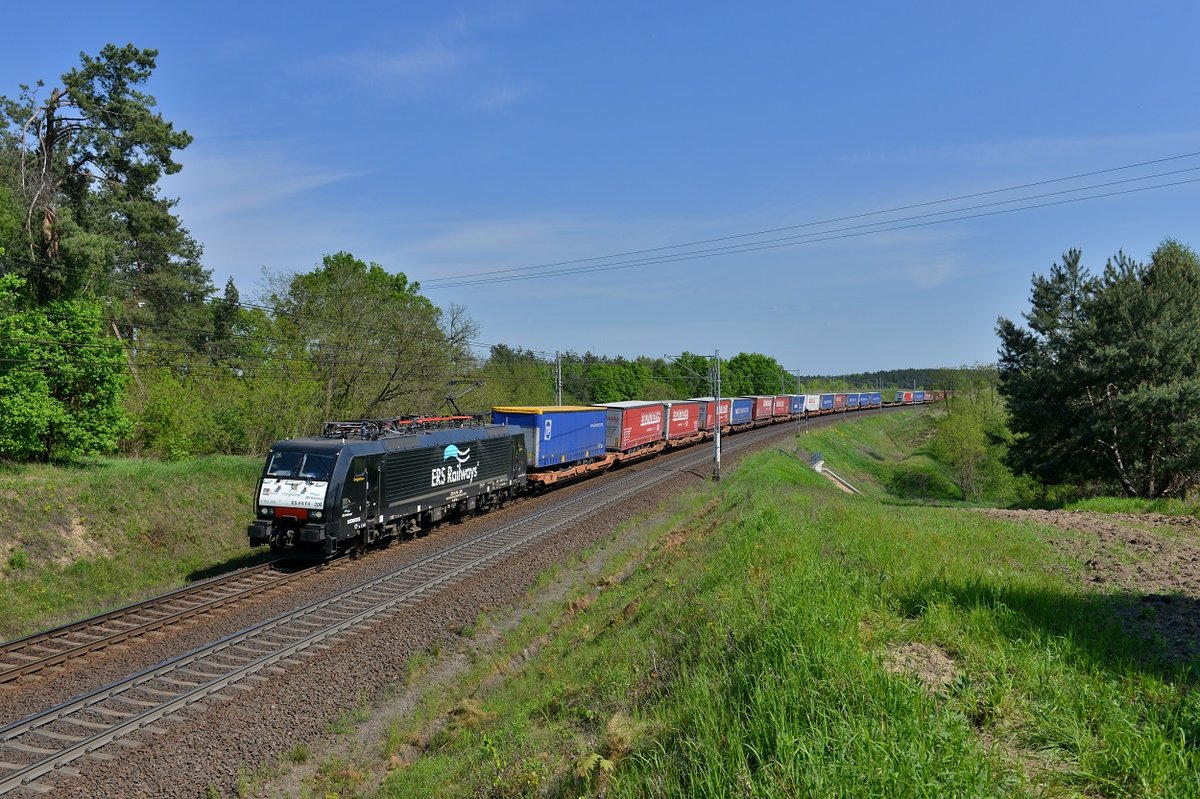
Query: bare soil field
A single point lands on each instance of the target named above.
(1149, 562)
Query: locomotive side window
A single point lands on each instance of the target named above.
(358, 468)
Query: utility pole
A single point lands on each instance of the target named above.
(801, 404)
(717, 435)
(558, 377)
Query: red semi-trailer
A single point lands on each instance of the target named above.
(683, 418)
(633, 424)
(707, 419)
(763, 408)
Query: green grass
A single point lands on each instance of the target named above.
(884, 456)
(94, 535)
(1168, 507)
(752, 660)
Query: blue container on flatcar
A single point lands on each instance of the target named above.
(557, 434)
(918, 396)
(796, 404)
(852, 401)
(742, 411)
(876, 399)
(899, 397)
(827, 402)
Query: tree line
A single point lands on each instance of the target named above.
(113, 336)
(1102, 384)
(1098, 393)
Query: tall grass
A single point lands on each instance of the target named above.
(754, 654)
(100, 533)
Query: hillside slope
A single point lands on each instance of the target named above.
(779, 638)
(77, 539)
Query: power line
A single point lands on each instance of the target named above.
(813, 238)
(455, 278)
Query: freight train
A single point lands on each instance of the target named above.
(361, 481)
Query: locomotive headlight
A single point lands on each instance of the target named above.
(265, 511)
(316, 514)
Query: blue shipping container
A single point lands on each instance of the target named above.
(851, 400)
(742, 411)
(918, 396)
(876, 398)
(827, 402)
(796, 405)
(557, 434)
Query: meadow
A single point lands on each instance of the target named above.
(781, 638)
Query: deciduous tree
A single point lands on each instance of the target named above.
(380, 347)
(62, 381)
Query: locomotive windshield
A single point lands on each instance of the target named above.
(300, 465)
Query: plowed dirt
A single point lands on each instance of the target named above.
(1150, 561)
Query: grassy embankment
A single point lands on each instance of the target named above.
(784, 639)
(78, 539)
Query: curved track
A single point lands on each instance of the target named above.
(47, 742)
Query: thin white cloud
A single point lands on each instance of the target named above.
(932, 273)
(235, 177)
(1036, 151)
(447, 58)
(411, 71)
(478, 239)
(503, 96)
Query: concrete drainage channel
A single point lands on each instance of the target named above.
(47, 743)
(817, 461)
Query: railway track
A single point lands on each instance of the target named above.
(33, 653)
(46, 743)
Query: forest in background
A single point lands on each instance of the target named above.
(114, 338)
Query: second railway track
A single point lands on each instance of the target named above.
(34, 653)
(45, 743)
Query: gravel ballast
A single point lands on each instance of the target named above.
(209, 748)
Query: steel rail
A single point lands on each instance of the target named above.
(35, 652)
(54, 738)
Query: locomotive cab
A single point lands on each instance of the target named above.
(295, 498)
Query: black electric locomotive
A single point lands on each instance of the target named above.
(360, 481)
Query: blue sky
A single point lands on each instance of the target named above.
(443, 139)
